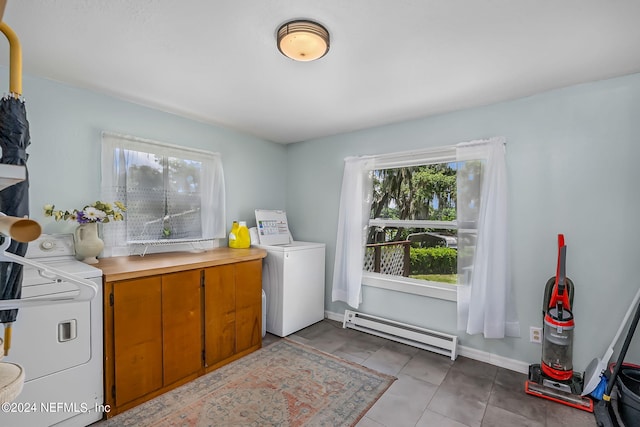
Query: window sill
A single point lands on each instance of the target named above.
(410, 286)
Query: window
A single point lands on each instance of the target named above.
(412, 234)
(173, 194)
(483, 295)
(412, 226)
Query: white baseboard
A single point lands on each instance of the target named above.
(494, 359)
(471, 353)
(334, 316)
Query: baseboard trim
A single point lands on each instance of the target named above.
(494, 359)
(471, 353)
(334, 316)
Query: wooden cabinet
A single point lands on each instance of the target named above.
(220, 313)
(172, 317)
(157, 333)
(181, 325)
(233, 311)
(248, 305)
(138, 325)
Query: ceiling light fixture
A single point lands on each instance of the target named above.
(303, 40)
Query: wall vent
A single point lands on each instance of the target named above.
(415, 336)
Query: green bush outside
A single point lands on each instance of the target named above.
(438, 260)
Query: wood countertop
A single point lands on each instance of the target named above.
(134, 266)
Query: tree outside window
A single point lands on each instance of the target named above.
(412, 228)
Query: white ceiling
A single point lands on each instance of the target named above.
(390, 60)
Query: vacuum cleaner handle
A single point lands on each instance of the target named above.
(563, 270)
(560, 244)
(560, 292)
(561, 283)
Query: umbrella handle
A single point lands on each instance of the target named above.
(3, 5)
(15, 60)
(7, 338)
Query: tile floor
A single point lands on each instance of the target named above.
(431, 390)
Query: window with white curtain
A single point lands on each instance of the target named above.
(409, 219)
(483, 291)
(173, 194)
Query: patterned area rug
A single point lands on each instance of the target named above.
(284, 384)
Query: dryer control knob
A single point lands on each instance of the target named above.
(47, 245)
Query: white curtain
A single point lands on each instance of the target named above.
(114, 171)
(485, 300)
(355, 204)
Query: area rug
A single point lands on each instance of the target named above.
(284, 384)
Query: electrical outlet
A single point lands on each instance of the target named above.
(535, 334)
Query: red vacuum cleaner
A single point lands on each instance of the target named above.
(554, 378)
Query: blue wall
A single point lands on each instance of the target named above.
(572, 163)
(64, 155)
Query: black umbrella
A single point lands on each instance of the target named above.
(14, 200)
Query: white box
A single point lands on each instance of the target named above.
(293, 281)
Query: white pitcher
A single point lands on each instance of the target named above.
(88, 244)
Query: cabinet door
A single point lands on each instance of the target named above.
(137, 328)
(248, 304)
(182, 324)
(220, 313)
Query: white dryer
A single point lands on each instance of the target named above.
(58, 345)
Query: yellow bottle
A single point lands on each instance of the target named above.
(233, 235)
(243, 239)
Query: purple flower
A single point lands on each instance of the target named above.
(81, 218)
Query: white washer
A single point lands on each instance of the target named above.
(58, 345)
(293, 281)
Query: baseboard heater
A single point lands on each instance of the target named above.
(415, 336)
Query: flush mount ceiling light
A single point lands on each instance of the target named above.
(303, 40)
